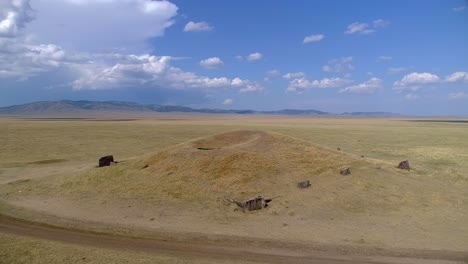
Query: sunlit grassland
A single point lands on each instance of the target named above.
(434, 149)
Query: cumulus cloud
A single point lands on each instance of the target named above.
(380, 23)
(365, 28)
(100, 25)
(239, 58)
(413, 80)
(197, 27)
(340, 65)
(301, 84)
(94, 71)
(457, 77)
(151, 71)
(13, 16)
(254, 56)
(293, 75)
(251, 57)
(246, 86)
(212, 63)
(271, 74)
(359, 28)
(21, 58)
(370, 86)
(23, 61)
(313, 38)
(228, 102)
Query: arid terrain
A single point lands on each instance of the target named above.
(164, 201)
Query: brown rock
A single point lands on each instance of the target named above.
(106, 161)
(404, 165)
(345, 171)
(303, 184)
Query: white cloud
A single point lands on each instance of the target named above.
(414, 79)
(459, 95)
(254, 56)
(380, 23)
(100, 25)
(212, 63)
(313, 38)
(339, 65)
(246, 85)
(359, 28)
(271, 74)
(301, 84)
(251, 57)
(22, 58)
(457, 77)
(366, 87)
(395, 70)
(13, 16)
(459, 8)
(197, 27)
(228, 102)
(293, 75)
(23, 61)
(365, 28)
(151, 71)
(385, 58)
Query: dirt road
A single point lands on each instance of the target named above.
(196, 250)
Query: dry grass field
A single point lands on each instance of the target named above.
(176, 169)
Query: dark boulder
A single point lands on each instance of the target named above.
(345, 171)
(303, 184)
(106, 161)
(404, 165)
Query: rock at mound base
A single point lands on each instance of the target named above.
(106, 161)
(345, 171)
(404, 165)
(303, 184)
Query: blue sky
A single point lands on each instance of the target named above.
(408, 57)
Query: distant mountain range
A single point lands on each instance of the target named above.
(82, 107)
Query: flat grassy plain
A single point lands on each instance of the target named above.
(434, 149)
(47, 153)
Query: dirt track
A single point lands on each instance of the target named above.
(12, 226)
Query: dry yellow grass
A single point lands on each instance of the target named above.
(183, 186)
(24, 250)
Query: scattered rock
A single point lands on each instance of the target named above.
(146, 166)
(106, 161)
(362, 156)
(253, 204)
(345, 171)
(338, 148)
(378, 167)
(303, 184)
(404, 165)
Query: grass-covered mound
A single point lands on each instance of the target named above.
(239, 164)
